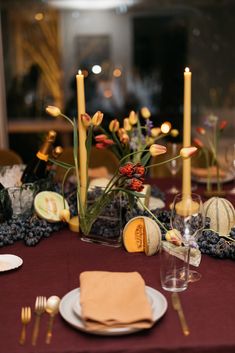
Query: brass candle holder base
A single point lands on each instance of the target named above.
(187, 207)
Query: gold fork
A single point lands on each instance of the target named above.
(40, 306)
(25, 319)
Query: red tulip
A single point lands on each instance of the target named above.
(201, 130)
(223, 124)
(198, 142)
(100, 138)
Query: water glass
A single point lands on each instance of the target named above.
(174, 269)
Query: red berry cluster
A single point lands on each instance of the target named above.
(135, 175)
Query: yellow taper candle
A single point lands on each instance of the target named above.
(186, 187)
(187, 206)
(82, 136)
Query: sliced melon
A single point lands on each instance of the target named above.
(48, 204)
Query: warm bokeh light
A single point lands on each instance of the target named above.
(85, 73)
(108, 93)
(117, 72)
(39, 16)
(165, 127)
(96, 69)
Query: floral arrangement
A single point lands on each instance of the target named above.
(133, 137)
(129, 177)
(208, 143)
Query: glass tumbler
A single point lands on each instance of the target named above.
(174, 269)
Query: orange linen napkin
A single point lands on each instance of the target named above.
(114, 299)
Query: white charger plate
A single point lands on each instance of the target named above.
(9, 262)
(71, 312)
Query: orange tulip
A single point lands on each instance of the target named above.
(114, 125)
(156, 150)
(187, 152)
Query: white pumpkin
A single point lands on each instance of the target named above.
(222, 214)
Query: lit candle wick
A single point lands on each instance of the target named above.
(79, 72)
(187, 69)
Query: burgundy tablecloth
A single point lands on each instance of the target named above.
(53, 267)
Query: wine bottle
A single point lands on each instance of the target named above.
(37, 168)
(55, 154)
(5, 204)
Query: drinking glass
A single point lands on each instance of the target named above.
(230, 161)
(173, 269)
(174, 165)
(187, 216)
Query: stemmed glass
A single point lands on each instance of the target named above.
(230, 161)
(187, 216)
(174, 165)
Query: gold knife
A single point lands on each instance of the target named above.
(177, 306)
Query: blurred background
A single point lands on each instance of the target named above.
(132, 53)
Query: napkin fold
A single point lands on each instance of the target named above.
(114, 300)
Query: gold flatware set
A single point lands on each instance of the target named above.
(42, 305)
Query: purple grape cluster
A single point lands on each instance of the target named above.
(28, 229)
(211, 243)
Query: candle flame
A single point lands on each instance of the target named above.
(187, 69)
(79, 72)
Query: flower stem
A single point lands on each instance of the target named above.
(155, 218)
(164, 162)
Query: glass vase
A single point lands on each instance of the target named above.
(107, 227)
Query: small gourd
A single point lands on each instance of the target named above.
(221, 213)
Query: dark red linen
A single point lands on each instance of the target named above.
(53, 268)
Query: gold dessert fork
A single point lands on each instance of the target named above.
(25, 319)
(40, 306)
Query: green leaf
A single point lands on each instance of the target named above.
(89, 143)
(61, 164)
(145, 159)
(127, 191)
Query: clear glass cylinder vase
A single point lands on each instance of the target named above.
(107, 227)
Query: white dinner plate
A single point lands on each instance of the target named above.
(202, 180)
(72, 313)
(9, 262)
(155, 202)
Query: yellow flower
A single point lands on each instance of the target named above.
(149, 140)
(145, 112)
(127, 125)
(86, 119)
(187, 152)
(155, 131)
(174, 237)
(53, 111)
(64, 215)
(114, 125)
(97, 118)
(133, 118)
(174, 132)
(156, 150)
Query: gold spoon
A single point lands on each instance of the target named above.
(52, 308)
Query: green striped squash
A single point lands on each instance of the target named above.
(221, 213)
